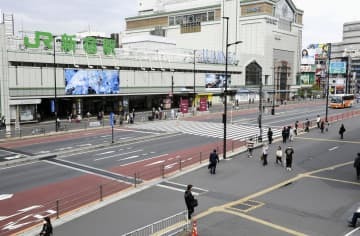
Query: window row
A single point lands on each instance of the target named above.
(192, 18)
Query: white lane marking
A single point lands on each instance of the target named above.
(5, 196)
(334, 148)
(105, 136)
(84, 145)
(176, 189)
(105, 153)
(171, 165)
(13, 157)
(119, 154)
(42, 152)
(89, 172)
(138, 131)
(155, 163)
(185, 185)
(127, 158)
(62, 149)
(144, 159)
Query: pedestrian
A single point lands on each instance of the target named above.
(322, 126)
(296, 127)
(47, 228)
(270, 136)
(279, 156)
(318, 121)
(291, 134)
(289, 156)
(307, 125)
(342, 131)
(250, 146)
(354, 218)
(213, 160)
(265, 154)
(190, 201)
(357, 166)
(284, 134)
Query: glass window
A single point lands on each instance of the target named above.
(171, 20)
(211, 16)
(179, 20)
(203, 17)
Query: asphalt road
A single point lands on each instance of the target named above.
(113, 162)
(316, 198)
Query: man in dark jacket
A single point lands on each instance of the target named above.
(189, 201)
(342, 131)
(270, 136)
(213, 159)
(357, 166)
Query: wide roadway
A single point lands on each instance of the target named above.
(315, 198)
(34, 181)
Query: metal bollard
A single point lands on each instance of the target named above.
(232, 146)
(163, 171)
(180, 164)
(57, 209)
(135, 180)
(101, 192)
(200, 157)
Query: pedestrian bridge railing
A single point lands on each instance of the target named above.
(169, 226)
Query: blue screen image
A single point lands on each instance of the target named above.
(85, 82)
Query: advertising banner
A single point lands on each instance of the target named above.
(307, 57)
(216, 80)
(307, 79)
(318, 50)
(337, 67)
(184, 105)
(85, 82)
(203, 104)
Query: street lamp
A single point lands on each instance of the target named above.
(274, 92)
(226, 78)
(194, 84)
(55, 93)
(327, 86)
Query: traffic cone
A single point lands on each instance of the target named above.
(194, 229)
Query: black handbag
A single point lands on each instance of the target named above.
(195, 203)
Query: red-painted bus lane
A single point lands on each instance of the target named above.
(25, 209)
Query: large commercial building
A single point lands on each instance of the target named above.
(173, 55)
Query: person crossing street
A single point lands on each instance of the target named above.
(213, 160)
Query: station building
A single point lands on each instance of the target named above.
(170, 56)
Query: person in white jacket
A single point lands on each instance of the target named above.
(279, 155)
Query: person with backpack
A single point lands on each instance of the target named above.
(190, 201)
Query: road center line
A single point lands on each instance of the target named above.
(176, 189)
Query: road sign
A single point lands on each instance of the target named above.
(112, 119)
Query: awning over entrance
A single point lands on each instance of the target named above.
(25, 101)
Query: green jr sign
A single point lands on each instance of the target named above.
(68, 43)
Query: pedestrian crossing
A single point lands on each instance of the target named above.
(208, 129)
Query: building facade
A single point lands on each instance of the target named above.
(270, 31)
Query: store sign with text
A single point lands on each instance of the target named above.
(68, 43)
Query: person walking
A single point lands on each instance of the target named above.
(357, 166)
(318, 121)
(47, 229)
(342, 131)
(322, 126)
(284, 134)
(354, 218)
(250, 146)
(289, 156)
(279, 156)
(265, 154)
(307, 125)
(213, 160)
(296, 127)
(270, 135)
(190, 201)
(291, 134)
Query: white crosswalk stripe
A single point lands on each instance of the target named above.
(208, 129)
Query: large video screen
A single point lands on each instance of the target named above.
(84, 82)
(216, 80)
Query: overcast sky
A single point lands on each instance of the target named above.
(323, 19)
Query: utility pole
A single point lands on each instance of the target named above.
(327, 83)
